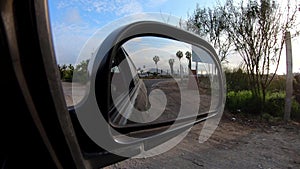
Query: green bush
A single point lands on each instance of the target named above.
(272, 110)
(242, 102)
(236, 80)
(66, 72)
(295, 113)
(274, 104)
(77, 74)
(278, 84)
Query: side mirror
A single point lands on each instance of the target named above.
(144, 92)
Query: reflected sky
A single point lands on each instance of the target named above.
(142, 50)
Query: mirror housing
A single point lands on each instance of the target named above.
(93, 112)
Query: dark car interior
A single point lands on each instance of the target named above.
(38, 130)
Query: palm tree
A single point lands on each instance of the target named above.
(156, 59)
(171, 63)
(179, 54)
(188, 55)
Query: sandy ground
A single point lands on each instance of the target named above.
(237, 143)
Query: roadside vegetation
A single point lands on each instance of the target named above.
(77, 73)
(241, 100)
(255, 31)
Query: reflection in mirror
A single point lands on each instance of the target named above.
(157, 80)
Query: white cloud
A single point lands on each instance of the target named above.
(69, 38)
(155, 3)
(62, 4)
(73, 16)
(131, 7)
(124, 7)
(99, 6)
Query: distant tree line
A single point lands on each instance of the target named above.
(69, 73)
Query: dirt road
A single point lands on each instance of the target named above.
(235, 144)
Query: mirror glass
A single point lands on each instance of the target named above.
(158, 80)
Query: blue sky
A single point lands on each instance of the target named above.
(73, 22)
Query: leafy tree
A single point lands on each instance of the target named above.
(78, 74)
(66, 72)
(60, 71)
(81, 72)
(254, 29)
(257, 30)
(236, 80)
(64, 67)
(211, 24)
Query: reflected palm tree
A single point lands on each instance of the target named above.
(171, 63)
(179, 54)
(188, 55)
(156, 59)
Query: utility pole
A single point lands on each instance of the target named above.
(289, 77)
